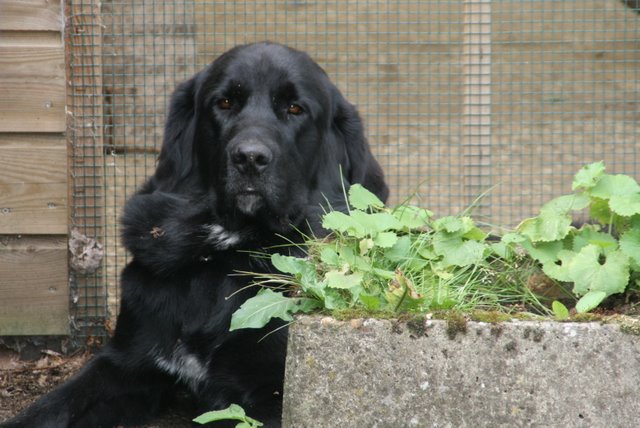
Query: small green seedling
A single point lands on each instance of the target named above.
(233, 413)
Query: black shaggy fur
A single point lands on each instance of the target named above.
(256, 146)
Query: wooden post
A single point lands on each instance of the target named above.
(476, 138)
(86, 152)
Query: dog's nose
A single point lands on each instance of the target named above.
(251, 156)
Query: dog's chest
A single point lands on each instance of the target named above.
(185, 365)
(200, 324)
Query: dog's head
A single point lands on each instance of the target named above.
(265, 130)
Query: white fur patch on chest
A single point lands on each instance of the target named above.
(184, 365)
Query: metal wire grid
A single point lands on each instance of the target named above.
(457, 96)
(85, 117)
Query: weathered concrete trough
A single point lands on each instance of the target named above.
(427, 373)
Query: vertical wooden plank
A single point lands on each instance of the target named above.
(476, 138)
(85, 126)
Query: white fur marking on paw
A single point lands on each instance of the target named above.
(222, 239)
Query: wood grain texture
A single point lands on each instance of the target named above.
(32, 84)
(40, 15)
(33, 184)
(85, 104)
(34, 286)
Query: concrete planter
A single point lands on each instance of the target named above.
(381, 373)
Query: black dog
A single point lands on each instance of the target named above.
(256, 146)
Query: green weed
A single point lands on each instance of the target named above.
(403, 259)
(233, 413)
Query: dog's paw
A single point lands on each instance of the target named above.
(220, 238)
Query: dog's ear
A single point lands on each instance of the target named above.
(358, 163)
(176, 160)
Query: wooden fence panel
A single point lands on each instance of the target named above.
(34, 281)
(34, 286)
(32, 15)
(32, 84)
(33, 184)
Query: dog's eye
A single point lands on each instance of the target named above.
(224, 104)
(294, 109)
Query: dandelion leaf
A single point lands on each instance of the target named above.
(257, 311)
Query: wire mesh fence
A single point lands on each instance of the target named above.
(507, 97)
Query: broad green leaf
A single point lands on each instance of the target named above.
(560, 311)
(341, 222)
(370, 301)
(414, 264)
(423, 246)
(630, 244)
(365, 245)
(362, 199)
(563, 205)
(591, 270)
(547, 227)
(590, 301)
(502, 250)
(449, 224)
(288, 264)
(385, 239)
(400, 250)
(412, 217)
(333, 300)
(588, 176)
(352, 259)
(468, 225)
(233, 412)
(427, 253)
(376, 222)
(302, 269)
(625, 205)
(329, 256)
(470, 252)
(513, 238)
(559, 269)
(554, 221)
(339, 280)
(600, 211)
(257, 311)
(475, 234)
(614, 185)
(386, 222)
(457, 252)
(590, 235)
(544, 252)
